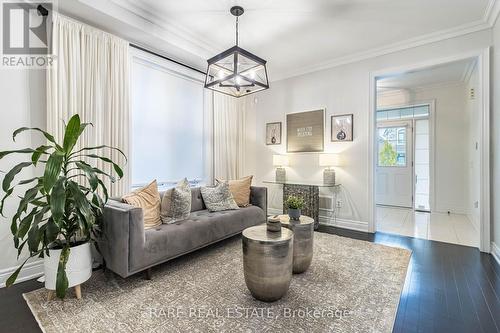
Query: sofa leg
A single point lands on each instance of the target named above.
(149, 274)
(103, 265)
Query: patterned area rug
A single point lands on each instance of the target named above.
(351, 286)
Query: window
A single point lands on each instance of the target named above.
(169, 120)
(403, 113)
(392, 146)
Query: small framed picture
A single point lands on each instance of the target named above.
(273, 133)
(342, 128)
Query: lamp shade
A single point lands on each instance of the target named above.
(329, 160)
(280, 160)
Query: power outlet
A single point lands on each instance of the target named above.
(476, 204)
(339, 204)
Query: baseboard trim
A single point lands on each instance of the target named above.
(31, 270)
(495, 252)
(339, 223)
(345, 224)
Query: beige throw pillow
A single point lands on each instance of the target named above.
(176, 203)
(240, 189)
(148, 199)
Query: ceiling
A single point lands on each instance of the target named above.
(295, 36)
(454, 72)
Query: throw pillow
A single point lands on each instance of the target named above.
(218, 198)
(148, 199)
(176, 203)
(240, 189)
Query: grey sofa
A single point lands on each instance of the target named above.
(127, 248)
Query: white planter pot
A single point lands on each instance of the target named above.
(78, 267)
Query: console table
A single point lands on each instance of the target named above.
(309, 191)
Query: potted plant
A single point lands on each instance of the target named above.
(294, 205)
(60, 212)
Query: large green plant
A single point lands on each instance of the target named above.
(63, 207)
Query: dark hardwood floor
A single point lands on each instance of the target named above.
(448, 288)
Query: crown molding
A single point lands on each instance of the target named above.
(134, 7)
(133, 14)
(469, 69)
(387, 92)
(189, 42)
(488, 20)
(492, 12)
(392, 48)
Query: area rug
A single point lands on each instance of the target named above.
(351, 286)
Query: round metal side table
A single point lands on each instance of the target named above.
(267, 262)
(303, 238)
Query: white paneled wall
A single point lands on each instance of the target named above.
(22, 94)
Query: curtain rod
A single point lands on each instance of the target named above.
(166, 58)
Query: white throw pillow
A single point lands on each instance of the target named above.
(218, 198)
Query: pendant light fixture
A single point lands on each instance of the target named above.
(236, 72)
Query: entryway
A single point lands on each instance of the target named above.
(429, 152)
(441, 227)
(403, 161)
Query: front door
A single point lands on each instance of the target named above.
(394, 164)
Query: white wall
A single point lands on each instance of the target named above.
(495, 138)
(343, 89)
(473, 151)
(22, 93)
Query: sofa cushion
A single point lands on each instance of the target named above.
(200, 229)
(197, 200)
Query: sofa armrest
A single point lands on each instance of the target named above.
(123, 229)
(258, 197)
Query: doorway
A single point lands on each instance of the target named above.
(414, 159)
(403, 168)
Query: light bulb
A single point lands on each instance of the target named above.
(252, 75)
(220, 74)
(238, 80)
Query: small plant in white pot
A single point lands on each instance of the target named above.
(294, 205)
(60, 214)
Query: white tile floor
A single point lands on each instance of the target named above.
(452, 228)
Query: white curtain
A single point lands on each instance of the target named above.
(91, 77)
(229, 136)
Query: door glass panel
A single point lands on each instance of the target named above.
(392, 146)
(422, 167)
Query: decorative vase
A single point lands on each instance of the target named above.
(78, 267)
(273, 224)
(294, 214)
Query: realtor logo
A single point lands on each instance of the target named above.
(26, 33)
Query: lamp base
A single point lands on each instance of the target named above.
(280, 175)
(329, 177)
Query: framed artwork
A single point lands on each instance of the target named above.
(305, 131)
(273, 133)
(342, 126)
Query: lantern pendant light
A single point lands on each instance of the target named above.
(236, 72)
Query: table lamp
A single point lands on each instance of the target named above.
(280, 161)
(329, 161)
